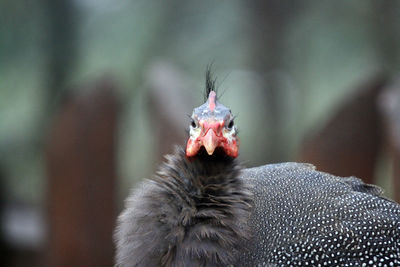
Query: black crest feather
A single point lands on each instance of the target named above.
(210, 83)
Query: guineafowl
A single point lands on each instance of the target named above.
(203, 209)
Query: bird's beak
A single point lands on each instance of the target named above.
(210, 141)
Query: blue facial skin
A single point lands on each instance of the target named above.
(220, 113)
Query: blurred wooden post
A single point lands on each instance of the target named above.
(350, 142)
(82, 179)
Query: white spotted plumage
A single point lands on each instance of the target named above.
(303, 217)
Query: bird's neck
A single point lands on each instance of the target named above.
(196, 172)
(204, 166)
(212, 202)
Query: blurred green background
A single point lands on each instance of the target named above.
(284, 67)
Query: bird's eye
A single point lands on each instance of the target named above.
(193, 124)
(230, 125)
